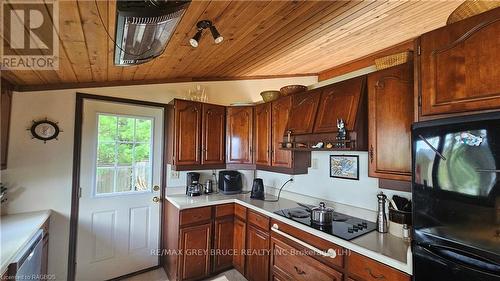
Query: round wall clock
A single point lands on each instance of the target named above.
(44, 130)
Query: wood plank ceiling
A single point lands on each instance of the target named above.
(261, 38)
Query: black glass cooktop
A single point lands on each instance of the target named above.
(343, 226)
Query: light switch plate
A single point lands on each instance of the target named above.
(174, 174)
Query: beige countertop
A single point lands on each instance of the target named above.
(385, 248)
(16, 231)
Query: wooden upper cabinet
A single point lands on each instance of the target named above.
(263, 134)
(459, 66)
(339, 101)
(239, 135)
(213, 143)
(303, 112)
(187, 132)
(280, 112)
(6, 102)
(390, 111)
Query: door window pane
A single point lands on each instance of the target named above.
(106, 153)
(124, 178)
(105, 179)
(124, 161)
(125, 153)
(126, 129)
(107, 128)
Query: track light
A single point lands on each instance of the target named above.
(196, 38)
(201, 25)
(217, 37)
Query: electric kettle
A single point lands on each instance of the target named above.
(257, 189)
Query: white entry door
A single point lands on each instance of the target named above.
(118, 224)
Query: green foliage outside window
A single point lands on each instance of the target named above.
(123, 153)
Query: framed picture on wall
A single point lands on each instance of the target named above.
(344, 167)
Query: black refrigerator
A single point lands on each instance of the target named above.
(456, 199)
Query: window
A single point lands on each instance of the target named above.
(124, 161)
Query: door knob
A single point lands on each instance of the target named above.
(156, 199)
(156, 188)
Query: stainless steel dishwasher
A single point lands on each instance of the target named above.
(28, 264)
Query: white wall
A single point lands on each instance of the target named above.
(318, 183)
(39, 175)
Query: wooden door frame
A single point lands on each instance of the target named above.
(77, 145)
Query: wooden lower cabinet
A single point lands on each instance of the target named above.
(195, 244)
(258, 253)
(223, 243)
(257, 259)
(287, 262)
(239, 244)
(362, 268)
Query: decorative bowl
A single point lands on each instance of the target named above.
(292, 89)
(268, 96)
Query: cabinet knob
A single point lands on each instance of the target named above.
(299, 271)
(156, 199)
(379, 277)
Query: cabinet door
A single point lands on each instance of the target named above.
(459, 66)
(239, 245)
(187, 132)
(213, 134)
(257, 260)
(390, 107)
(195, 239)
(280, 112)
(263, 134)
(224, 230)
(303, 112)
(339, 101)
(239, 136)
(6, 101)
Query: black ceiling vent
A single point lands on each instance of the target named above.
(143, 28)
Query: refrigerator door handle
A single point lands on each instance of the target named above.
(458, 257)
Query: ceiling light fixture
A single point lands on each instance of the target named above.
(201, 25)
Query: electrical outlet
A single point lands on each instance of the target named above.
(314, 163)
(174, 174)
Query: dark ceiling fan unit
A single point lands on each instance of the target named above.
(143, 28)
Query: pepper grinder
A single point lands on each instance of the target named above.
(381, 217)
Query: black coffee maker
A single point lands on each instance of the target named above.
(257, 189)
(193, 180)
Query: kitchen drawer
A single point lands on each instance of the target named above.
(196, 215)
(370, 270)
(224, 210)
(315, 241)
(240, 211)
(258, 220)
(291, 262)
